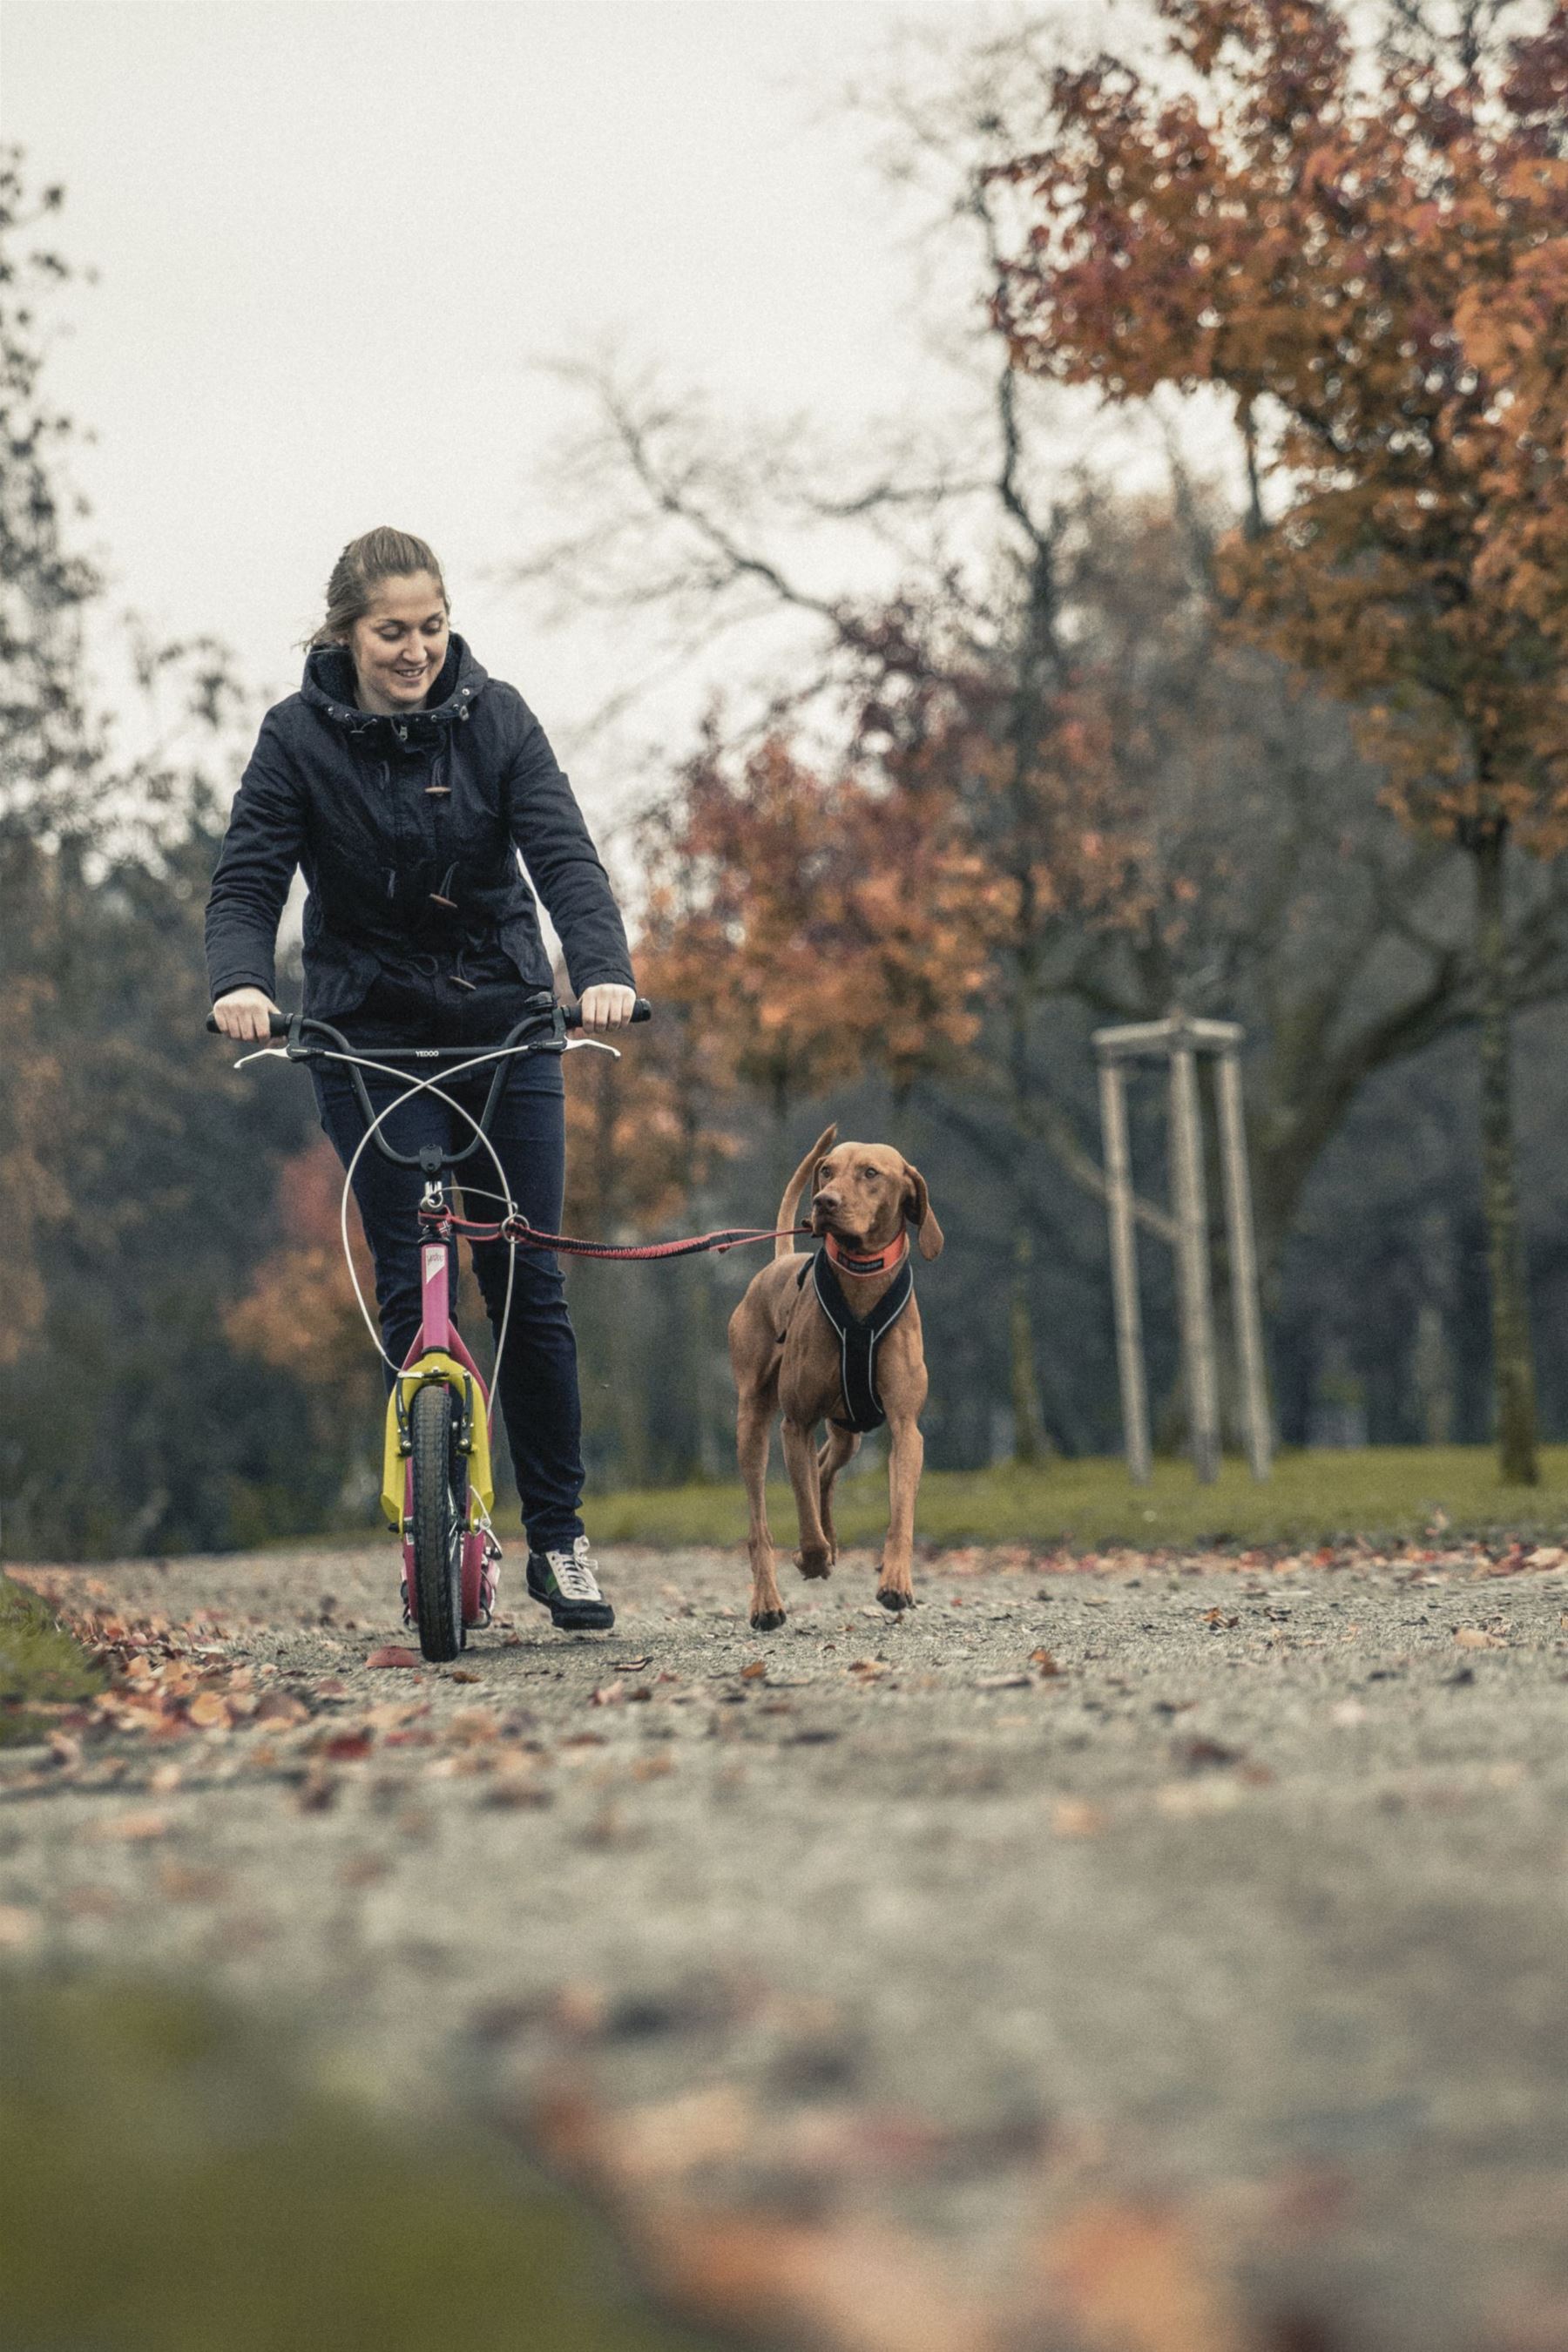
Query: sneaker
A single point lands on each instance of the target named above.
(567, 1585)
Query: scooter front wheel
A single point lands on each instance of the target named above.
(439, 1512)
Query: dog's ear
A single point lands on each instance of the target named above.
(819, 1150)
(919, 1213)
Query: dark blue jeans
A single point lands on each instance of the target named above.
(536, 1381)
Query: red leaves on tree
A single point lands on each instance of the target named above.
(1380, 276)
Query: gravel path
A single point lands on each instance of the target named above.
(1150, 1951)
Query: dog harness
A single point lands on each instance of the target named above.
(858, 1335)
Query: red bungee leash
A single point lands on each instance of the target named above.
(516, 1228)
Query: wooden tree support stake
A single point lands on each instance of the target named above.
(1178, 1042)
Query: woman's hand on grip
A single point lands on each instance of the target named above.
(607, 1006)
(245, 1013)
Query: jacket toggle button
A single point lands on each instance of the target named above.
(439, 901)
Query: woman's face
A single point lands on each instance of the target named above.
(399, 643)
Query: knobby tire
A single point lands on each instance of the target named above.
(440, 1511)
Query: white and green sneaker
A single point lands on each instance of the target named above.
(567, 1585)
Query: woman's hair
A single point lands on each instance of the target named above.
(365, 561)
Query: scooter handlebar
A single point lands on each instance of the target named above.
(278, 1023)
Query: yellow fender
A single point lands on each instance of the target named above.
(435, 1366)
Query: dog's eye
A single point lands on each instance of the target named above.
(870, 1174)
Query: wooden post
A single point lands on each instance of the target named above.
(1124, 1269)
(1243, 1253)
(1192, 1259)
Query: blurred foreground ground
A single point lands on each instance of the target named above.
(1161, 1952)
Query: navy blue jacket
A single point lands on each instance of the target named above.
(346, 795)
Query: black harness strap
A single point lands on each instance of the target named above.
(858, 1337)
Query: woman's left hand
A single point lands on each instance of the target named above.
(606, 1007)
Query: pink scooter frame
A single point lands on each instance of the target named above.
(437, 1331)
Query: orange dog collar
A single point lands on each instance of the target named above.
(880, 1261)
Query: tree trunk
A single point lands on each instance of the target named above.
(1513, 1373)
(1029, 1421)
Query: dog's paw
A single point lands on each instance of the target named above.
(891, 1598)
(767, 1621)
(815, 1563)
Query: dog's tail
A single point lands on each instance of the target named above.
(789, 1207)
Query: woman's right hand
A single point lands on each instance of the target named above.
(245, 1013)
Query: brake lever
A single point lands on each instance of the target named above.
(263, 1054)
(575, 1044)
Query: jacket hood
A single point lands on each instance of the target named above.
(329, 686)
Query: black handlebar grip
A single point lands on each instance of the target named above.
(641, 1010)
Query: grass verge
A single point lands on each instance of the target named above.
(1388, 1492)
(170, 2187)
(40, 1664)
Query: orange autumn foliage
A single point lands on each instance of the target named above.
(1372, 256)
(812, 926)
(299, 1311)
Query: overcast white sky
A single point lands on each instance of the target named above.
(334, 239)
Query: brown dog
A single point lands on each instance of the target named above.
(785, 1352)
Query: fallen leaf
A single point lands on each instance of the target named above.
(465, 1674)
(1137, 2276)
(92, 1902)
(1044, 1663)
(363, 1870)
(393, 1654)
(1200, 1754)
(208, 1712)
(394, 1711)
(475, 1725)
(629, 1666)
(130, 1828)
(755, 1672)
(609, 1695)
(1186, 1800)
(515, 1791)
(279, 1706)
(182, 1884)
(1075, 1817)
(1472, 1637)
(347, 1747)
(316, 1791)
(709, 2125)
